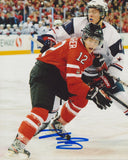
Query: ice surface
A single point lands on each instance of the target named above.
(107, 130)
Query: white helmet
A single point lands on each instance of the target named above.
(2, 25)
(28, 18)
(14, 25)
(40, 22)
(20, 25)
(100, 5)
(57, 22)
(8, 25)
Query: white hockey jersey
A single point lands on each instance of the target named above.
(111, 49)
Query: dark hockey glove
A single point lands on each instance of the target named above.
(99, 62)
(99, 97)
(47, 40)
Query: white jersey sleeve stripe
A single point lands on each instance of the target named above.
(73, 66)
(73, 75)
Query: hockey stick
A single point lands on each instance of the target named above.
(118, 80)
(35, 40)
(115, 78)
(117, 99)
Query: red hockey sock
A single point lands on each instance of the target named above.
(69, 111)
(30, 125)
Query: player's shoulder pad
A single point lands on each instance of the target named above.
(111, 29)
(68, 26)
(114, 39)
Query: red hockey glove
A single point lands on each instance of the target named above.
(99, 97)
(105, 81)
(47, 40)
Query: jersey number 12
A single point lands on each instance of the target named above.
(81, 59)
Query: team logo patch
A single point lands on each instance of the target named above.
(18, 42)
(78, 71)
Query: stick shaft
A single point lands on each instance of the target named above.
(37, 42)
(118, 100)
(117, 79)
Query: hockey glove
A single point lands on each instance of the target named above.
(99, 62)
(99, 97)
(47, 40)
(105, 81)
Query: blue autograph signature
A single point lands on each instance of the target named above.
(71, 144)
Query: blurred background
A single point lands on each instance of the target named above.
(26, 17)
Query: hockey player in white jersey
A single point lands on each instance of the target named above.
(111, 50)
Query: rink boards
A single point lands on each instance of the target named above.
(21, 44)
(17, 44)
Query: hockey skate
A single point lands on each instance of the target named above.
(17, 151)
(56, 127)
(42, 127)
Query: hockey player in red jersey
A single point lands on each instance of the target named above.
(58, 72)
(112, 49)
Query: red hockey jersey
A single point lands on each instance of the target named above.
(71, 58)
